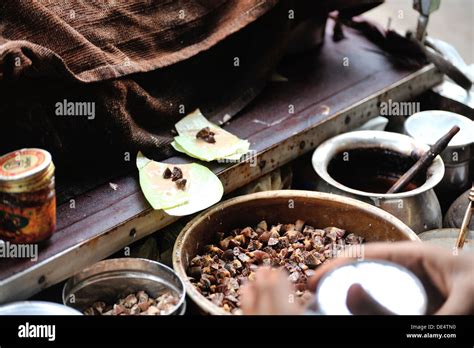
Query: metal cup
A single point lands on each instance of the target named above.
(428, 126)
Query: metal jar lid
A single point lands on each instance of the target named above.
(25, 170)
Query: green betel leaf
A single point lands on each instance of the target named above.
(193, 123)
(179, 148)
(160, 193)
(235, 157)
(142, 161)
(203, 188)
(226, 144)
(199, 149)
(243, 149)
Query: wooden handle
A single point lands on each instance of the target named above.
(425, 160)
(466, 221)
(465, 227)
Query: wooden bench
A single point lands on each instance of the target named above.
(322, 97)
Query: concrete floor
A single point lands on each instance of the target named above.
(453, 22)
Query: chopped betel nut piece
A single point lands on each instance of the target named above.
(225, 266)
(201, 139)
(136, 304)
(181, 184)
(206, 135)
(167, 173)
(176, 174)
(185, 189)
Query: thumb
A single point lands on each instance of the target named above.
(360, 302)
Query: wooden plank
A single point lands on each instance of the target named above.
(327, 97)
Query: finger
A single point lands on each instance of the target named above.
(359, 302)
(425, 261)
(273, 291)
(276, 297)
(266, 284)
(282, 294)
(248, 299)
(431, 264)
(399, 252)
(347, 255)
(323, 269)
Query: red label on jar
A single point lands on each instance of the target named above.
(28, 224)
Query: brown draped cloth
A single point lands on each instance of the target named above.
(143, 63)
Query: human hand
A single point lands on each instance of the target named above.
(270, 293)
(448, 279)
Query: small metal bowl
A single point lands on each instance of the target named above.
(428, 126)
(447, 237)
(112, 279)
(37, 308)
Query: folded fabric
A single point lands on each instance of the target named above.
(134, 65)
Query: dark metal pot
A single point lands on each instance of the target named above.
(418, 208)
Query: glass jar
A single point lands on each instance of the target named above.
(27, 196)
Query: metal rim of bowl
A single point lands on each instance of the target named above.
(179, 263)
(463, 120)
(325, 152)
(57, 308)
(448, 230)
(69, 286)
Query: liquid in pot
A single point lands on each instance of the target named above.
(372, 170)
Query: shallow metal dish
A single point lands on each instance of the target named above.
(446, 238)
(111, 279)
(317, 209)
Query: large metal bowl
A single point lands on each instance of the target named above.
(317, 209)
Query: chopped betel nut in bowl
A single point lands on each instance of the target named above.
(126, 286)
(299, 248)
(221, 249)
(136, 304)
